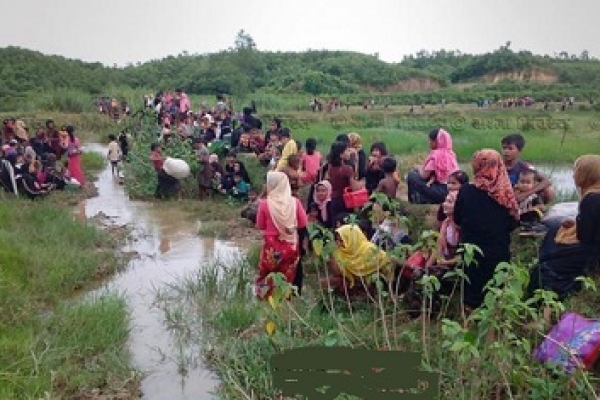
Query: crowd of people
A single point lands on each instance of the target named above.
(504, 193)
(34, 165)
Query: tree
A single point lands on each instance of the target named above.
(243, 41)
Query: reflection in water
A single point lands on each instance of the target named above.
(169, 248)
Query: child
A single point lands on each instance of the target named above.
(455, 181)
(251, 210)
(313, 213)
(389, 184)
(531, 208)
(512, 146)
(291, 170)
(114, 154)
(388, 230)
(310, 161)
(241, 188)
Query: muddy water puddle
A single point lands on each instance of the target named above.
(167, 248)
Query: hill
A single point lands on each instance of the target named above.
(242, 69)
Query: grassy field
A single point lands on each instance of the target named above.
(240, 334)
(52, 346)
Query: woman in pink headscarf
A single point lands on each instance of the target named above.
(428, 183)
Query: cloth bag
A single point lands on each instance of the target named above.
(574, 342)
(177, 168)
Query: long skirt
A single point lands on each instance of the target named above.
(275, 256)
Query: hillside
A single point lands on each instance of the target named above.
(243, 70)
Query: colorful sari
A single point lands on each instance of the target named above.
(278, 218)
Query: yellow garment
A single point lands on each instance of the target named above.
(289, 149)
(566, 235)
(359, 257)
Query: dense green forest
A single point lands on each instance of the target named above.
(241, 70)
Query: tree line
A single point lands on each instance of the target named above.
(243, 69)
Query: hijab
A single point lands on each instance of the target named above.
(586, 174)
(282, 206)
(323, 204)
(442, 157)
(359, 257)
(492, 178)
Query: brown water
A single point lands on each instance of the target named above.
(169, 249)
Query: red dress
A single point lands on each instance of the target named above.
(276, 255)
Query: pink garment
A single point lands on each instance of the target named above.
(184, 103)
(442, 160)
(310, 165)
(323, 204)
(265, 223)
(74, 157)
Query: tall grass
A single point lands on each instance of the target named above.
(50, 346)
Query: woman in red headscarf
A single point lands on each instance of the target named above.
(486, 212)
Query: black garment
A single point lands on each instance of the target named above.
(486, 224)
(235, 136)
(558, 266)
(420, 193)
(124, 144)
(361, 170)
(588, 227)
(299, 277)
(372, 178)
(167, 186)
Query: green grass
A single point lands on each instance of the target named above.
(546, 140)
(235, 342)
(92, 162)
(52, 345)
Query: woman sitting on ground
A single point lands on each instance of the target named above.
(572, 248)
(353, 261)
(428, 184)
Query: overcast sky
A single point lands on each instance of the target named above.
(124, 31)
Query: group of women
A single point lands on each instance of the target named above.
(485, 212)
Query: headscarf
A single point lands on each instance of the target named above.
(323, 204)
(282, 206)
(354, 141)
(20, 130)
(586, 174)
(491, 177)
(442, 157)
(359, 257)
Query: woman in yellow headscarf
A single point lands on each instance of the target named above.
(355, 258)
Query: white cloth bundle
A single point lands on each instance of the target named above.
(176, 167)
